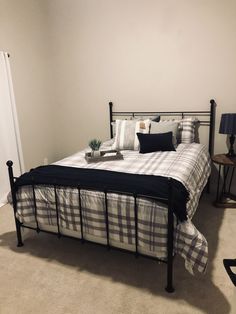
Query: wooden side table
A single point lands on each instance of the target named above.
(224, 197)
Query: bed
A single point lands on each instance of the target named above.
(141, 204)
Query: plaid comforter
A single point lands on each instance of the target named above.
(190, 165)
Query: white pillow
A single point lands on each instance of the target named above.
(126, 130)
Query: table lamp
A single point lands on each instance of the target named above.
(228, 126)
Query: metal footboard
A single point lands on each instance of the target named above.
(169, 287)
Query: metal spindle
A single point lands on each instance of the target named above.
(136, 224)
(111, 118)
(57, 212)
(169, 287)
(81, 216)
(35, 209)
(107, 220)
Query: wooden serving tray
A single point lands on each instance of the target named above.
(105, 155)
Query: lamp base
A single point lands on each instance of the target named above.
(231, 148)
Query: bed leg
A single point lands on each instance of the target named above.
(169, 288)
(18, 232)
(14, 202)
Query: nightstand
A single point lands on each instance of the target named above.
(224, 197)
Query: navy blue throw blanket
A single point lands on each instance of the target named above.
(154, 186)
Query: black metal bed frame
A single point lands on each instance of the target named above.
(170, 253)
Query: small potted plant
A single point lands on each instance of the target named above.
(95, 145)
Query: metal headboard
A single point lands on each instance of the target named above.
(208, 118)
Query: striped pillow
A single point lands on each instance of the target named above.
(126, 130)
(186, 129)
(187, 133)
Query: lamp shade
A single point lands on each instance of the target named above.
(228, 123)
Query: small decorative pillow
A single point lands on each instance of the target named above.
(126, 130)
(155, 142)
(165, 127)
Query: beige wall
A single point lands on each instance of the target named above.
(142, 55)
(70, 57)
(23, 33)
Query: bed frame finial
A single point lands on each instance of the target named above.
(9, 163)
(212, 101)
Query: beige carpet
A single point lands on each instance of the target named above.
(48, 275)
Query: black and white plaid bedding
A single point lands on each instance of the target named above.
(190, 165)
